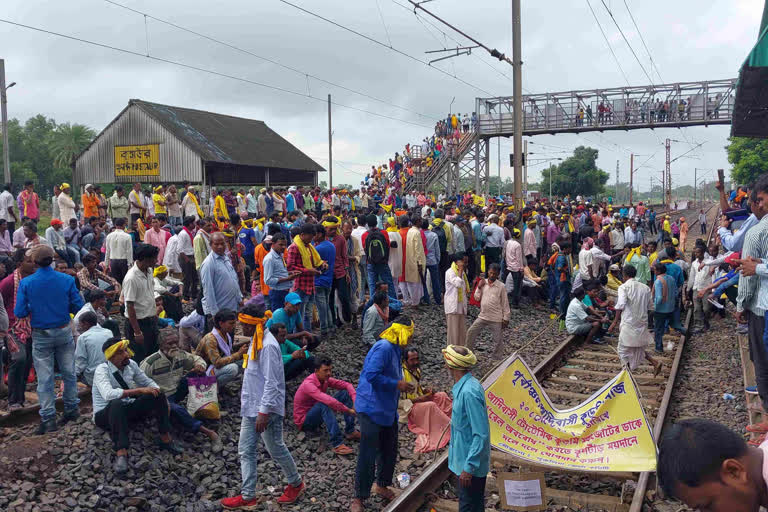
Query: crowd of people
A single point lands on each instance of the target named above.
(139, 294)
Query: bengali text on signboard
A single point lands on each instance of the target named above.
(142, 160)
(608, 432)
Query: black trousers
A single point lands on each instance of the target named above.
(118, 268)
(472, 498)
(151, 333)
(190, 277)
(115, 416)
(377, 455)
(172, 307)
(341, 286)
(758, 354)
(517, 279)
(18, 372)
(295, 367)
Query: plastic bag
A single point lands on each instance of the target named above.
(472, 300)
(203, 399)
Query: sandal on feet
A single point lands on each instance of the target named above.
(384, 492)
(356, 506)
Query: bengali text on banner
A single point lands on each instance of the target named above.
(608, 432)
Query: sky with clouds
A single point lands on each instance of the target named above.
(384, 98)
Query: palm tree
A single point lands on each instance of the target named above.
(68, 141)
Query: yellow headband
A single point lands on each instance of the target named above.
(457, 361)
(398, 334)
(159, 270)
(329, 224)
(258, 336)
(64, 185)
(117, 346)
(158, 188)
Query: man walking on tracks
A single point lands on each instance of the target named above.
(469, 453)
(632, 311)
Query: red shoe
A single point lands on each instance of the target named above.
(758, 441)
(239, 503)
(291, 494)
(758, 427)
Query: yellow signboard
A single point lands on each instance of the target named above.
(608, 432)
(143, 160)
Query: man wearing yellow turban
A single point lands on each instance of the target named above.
(262, 408)
(122, 391)
(378, 392)
(469, 452)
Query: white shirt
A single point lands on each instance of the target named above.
(586, 261)
(66, 208)
(6, 201)
(189, 207)
(576, 315)
(634, 302)
(118, 246)
(699, 276)
(134, 197)
(185, 244)
(171, 256)
(263, 388)
(105, 386)
(139, 288)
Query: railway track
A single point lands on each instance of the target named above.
(570, 374)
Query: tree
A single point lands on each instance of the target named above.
(68, 141)
(749, 158)
(577, 174)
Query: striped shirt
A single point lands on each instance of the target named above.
(755, 245)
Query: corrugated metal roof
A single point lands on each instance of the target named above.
(134, 125)
(229, 139)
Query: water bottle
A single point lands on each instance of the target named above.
(728, 396)
(403, 480)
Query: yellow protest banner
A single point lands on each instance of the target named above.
(142, 160)
(608, 432)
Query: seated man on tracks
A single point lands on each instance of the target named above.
(313, 406)
(428, 413)
(169, 368)
(122, 392)
(579, 322)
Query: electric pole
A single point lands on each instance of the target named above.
(4, 109)
(330, 147)
(631, 173)
(695, 185)
(617, 183)
(525, 168)
(517, 103)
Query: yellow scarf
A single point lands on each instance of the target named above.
(220, 208)
(193, 198)
(398, 334)
(258, 336)
(455, 268)
(633, 252)
(387, 207)
(457, 361)
(309, 255)
(652, 257)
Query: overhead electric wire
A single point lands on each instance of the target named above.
(384, 24)
(608, 43)
(384, 45)
(207, 71)
(423, 20)
(653, 64)
(266, 59)
(627, 41)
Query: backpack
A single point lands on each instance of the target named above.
(442, 240)
(377, 247)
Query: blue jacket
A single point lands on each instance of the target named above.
(377, 392)
(48, 297)
(470, 446)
